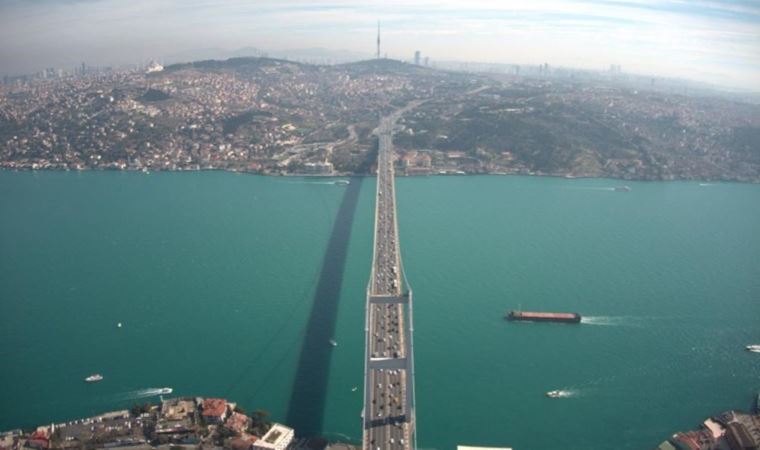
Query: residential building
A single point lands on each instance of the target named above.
(214, 410)
(277, 438)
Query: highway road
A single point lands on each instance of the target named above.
(388, 416)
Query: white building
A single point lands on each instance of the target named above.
(318, 168)
(277, 438)
(154, 67)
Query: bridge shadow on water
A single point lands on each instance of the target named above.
(308, 396)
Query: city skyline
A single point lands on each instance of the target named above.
(714, 42)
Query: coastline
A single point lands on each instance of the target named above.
(730, 429)
(402, 175)
(201, 422)
(180, 422)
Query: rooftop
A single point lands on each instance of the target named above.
(214, 407)
(275, 433)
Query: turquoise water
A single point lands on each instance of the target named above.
(225, 283)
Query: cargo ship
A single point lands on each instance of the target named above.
(544, 316)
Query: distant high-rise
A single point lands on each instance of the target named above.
(417, 58)
(378, 39)
(427, 61)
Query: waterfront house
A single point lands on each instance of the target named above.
(214, 410)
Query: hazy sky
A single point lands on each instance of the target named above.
(711, 41)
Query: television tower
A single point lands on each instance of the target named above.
(378, 39)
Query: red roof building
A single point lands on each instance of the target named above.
(693, 440)
(39, 439)
(238, 423)
(214, 410)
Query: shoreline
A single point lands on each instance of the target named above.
(730, 429)
(400, 175)
(196, 422)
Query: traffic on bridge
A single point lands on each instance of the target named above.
(388, 416)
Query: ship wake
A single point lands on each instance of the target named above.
(330, 183)
(608, 321)
(592, 188)
(144, 393)
(567, 393)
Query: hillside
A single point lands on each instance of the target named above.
(271, 115)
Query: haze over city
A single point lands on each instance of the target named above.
(213, 214)
(709, 41)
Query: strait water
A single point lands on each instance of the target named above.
(231, 286)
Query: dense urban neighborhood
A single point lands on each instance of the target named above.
(273, 116)
(191, 423)
(732, 430)
(176, 423)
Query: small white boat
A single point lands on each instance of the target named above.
(622, 188)
(354, 389)
(554, 394)
(754, 348)
(165, 390)
(333, 343)
(342, 182)
(94, 378)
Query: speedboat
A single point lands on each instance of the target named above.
(556, 394)
(94, 378)
(622, 188)
(333, 343)
(165, 390)
(354, 388)
(342, 182)
(754, 348)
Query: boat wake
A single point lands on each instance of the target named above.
(565, 393)
(607, 321)
(328, 183)
(591, 188)
(145, 393)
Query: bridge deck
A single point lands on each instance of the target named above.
(389, 377)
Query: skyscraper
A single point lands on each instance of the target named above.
(417, 58)
(378, 39)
